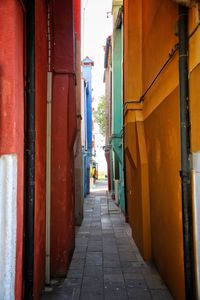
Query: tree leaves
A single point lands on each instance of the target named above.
(100, 115)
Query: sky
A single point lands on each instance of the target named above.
(96, 27)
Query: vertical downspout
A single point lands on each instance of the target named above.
(30, 151)
(48, 153)
(185, 152)
(124, 151)
(124, 169)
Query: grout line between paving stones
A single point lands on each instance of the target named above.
(96, 210)
(102, 259)
(120, 260)
(81, 286)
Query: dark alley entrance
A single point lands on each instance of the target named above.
(106, 263)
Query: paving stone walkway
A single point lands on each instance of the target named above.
(106, 263)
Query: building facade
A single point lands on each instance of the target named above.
(117, 105)
(161, 70)
(78, 144)
(108, 98)
(87, 65)
(38, 129)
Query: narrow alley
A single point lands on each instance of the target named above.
(99, 149)
(106, 263)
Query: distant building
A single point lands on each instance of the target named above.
(108, 95)
(117, 106)
(87, 65)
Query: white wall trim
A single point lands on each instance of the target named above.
(8, 211)
(196, 215)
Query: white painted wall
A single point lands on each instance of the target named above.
(8, 211)
(196, 215)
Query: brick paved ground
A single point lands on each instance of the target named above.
(106, 263)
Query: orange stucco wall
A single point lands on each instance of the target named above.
(137, 186)
(163, 147)
(161, 123)
(132, 49)
(151, 27)
(194, 65)
(158, 38)
(134, 204)
(153, 32)
(195, 108)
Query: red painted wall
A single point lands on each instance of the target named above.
(40, 143)
(12, 107)
(63, 135)
(77, 18)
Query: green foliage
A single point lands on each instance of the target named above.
(100, 115)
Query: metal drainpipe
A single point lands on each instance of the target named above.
(29, 151)
(125, 179)
(185, 152)
(124, 167)
(48, 152)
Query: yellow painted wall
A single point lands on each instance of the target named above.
(194, 64)
(163, 147)
(138, 184)
(134, 203)
(152, 142)
(158, 28)
(195, 108)
(132, 49)
(161, 131)
(161, 113)
(135, 149)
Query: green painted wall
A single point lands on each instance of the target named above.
(117, 102)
